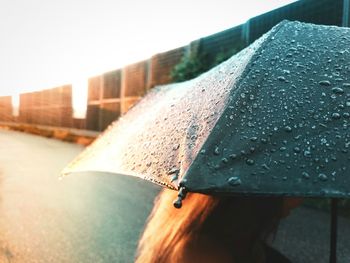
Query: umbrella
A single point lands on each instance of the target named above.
(272, 120)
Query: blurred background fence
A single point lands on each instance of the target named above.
(111, 94)
(47, 107)
(6, 113)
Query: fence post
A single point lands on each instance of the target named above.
(100, 105)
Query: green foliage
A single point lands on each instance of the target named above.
(188, 68)
(192, 65)
(224, 55)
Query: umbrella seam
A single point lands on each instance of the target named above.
(244, 74)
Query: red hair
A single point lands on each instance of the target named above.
(206, 225)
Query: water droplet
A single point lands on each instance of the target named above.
(322, 177)
(263, 140)
(307, 153)
(234, 181)
(297, 137)
(324, 83)
(306, 175)
(338, 90)
(254, 139)
(250, 161)
(173, 171)
(176, 146)
(224, 160)
(288, 129)
(250, 124)
(281, 78)
(233, 156)
(297, 150)
(336, 116)
(216, 150)
(265, 166)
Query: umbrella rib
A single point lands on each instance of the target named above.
(244, 74)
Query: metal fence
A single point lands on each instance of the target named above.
(51, 107)
(113, 93)
(6, 109)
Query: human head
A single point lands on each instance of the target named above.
(235, 223)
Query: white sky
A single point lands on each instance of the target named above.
(47, 43)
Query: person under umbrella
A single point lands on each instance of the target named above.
(269, 123)
(212, 229)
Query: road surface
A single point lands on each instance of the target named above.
(83, 218)
(91, 218)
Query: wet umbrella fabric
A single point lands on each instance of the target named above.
(272, 120)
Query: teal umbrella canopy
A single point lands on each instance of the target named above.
(272, 120)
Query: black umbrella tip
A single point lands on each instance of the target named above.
(181, 196)
(178, 203)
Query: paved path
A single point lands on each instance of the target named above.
(304, 237)
(87, 218)
(98, 217)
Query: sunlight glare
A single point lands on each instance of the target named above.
(59, 47)
(79, 93)
(15, 104)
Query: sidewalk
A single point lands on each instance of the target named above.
(83, 137)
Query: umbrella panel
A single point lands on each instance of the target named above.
(159, 137)
(285, 130)
(272, 120)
